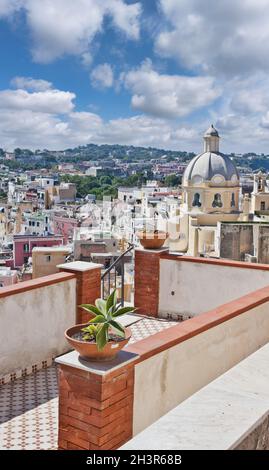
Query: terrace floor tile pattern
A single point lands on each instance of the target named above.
(29, 412)
(29, 405)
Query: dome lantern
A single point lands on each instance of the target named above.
(211, 140)
(211, 167)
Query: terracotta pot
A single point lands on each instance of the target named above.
(89, 351)
(151, 240)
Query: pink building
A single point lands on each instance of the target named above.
(65, 227)
(24, 244)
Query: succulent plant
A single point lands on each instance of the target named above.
(105, 313)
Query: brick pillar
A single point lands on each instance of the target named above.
(95, 407)
(146, 282)
(88, 276)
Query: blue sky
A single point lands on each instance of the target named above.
(153, 73)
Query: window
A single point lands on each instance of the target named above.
(26, 248)
(196, 200)
(262, 206)
(48, 258)
(233, 200)
(217, 201)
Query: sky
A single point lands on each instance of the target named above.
(151, 73)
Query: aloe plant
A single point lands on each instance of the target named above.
(105, 313)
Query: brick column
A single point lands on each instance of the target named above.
(88, 276)
(146, 282)
(95, 404)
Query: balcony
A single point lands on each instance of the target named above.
(199, 322)
(29, 404)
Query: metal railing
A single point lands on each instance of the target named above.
(109, 277)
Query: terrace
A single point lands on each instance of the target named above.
(201, 323)
(29, 405)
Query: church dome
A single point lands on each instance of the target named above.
(211, 166)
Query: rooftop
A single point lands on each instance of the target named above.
(29, 405)
(197, 321)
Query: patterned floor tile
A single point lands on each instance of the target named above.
(29, 406)
(29, 412)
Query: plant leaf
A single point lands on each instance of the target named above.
(102, 337)
(112, 300)
(101, 305)
(118, 328)
(90, 308)
(98, 319)
(123, 310)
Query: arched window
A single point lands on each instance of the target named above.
(233, 200)
(196, 200)
(217, 201)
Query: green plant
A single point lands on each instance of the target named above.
(105, 311)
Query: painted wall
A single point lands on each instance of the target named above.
(45, 263)
(230, 413)
(64, 226)
(20, 253)
(32, 324)
(199, 287)
(166, 379)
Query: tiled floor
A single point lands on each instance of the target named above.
(29, 406)
(29, 412)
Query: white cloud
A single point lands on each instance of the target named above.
(48, 119)
(168, 96)
(60, 27)
(86, 59)
(126, 17)
(102, 76)
(8, 7)
(228, 37)
(250, 95)
(49, 101)
(32, 84)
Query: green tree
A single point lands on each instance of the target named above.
(172, 180)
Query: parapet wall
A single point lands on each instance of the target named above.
(190, 286)
(33, 318)
(35, 314)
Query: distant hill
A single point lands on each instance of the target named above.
(124, 152)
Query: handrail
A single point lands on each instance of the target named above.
(131, 247)
(118, 262)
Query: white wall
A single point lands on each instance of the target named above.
(32, 325)
(166, 379)
(230, 413)
(199, 287)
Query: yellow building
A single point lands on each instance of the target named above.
(46, 259)
(211, 190)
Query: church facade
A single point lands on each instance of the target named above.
(212, 197)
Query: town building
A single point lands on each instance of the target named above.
(46, 259)
(23, 246)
